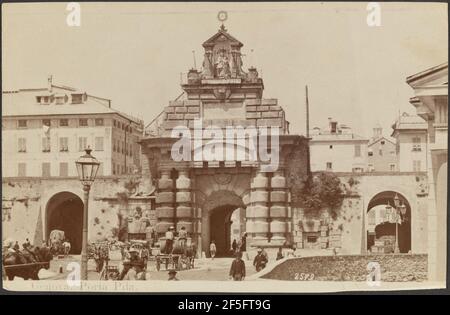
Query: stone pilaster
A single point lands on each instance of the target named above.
(257, 212)
(165, 199)
(184, 211)
(279, 227)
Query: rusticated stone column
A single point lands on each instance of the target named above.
(165, 200)
(184, 211)
(257, 213)
(279, 227)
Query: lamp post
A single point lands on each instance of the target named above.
(87, 167)
(400, 209)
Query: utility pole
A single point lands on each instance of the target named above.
(307, 112)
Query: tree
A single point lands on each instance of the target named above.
(322, 191)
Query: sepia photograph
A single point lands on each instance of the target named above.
(291, 147)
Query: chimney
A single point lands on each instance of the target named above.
(49, 83)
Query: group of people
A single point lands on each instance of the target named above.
(237, 270)
(170, 237)
(14, 247)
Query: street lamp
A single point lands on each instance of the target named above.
(87, 167)
(400, 208)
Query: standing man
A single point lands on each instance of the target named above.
(169, 240)
(260, 260)
(234, 246)
(237, 270)
(244, 242)
(182, 237)
(212, 249)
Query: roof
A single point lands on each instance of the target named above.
(22, 102)
(222, 32)
(376, 140)
(427, 73)
(409, 122)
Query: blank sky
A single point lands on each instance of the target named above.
(133, 53)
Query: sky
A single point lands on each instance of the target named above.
(133, 53)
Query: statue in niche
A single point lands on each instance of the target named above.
(237, 63)
(208, 69)
(222, 65)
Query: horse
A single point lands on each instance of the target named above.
(31, 254)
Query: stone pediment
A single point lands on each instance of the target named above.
(435, 76)
(220, 37)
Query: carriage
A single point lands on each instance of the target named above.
(180, 258)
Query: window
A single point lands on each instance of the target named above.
(357, 170)
(22, 123)
(371, 217)
(63, 122)
(382, 142)
(99, 122)
(63, 144)
(60, 100)
(22, 145)
(83, 122)
(370, 152)
(63, 169)
(22, 170)
(329, 166)
(357, 150)
(98, 143)
(82, 143)
(333, 127)
(392, 167)
(77, 98)
(416, 144)
(371, 168)
(46, 122)
(416, 166)
(45, 144)
(46, 169)
(380, 152)
(331, 146)
(311, 239)
(114, 122)
(119, 125)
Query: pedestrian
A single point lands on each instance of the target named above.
(280, 253)
(173, 275)
(212, 249)
(234, 246)
(27, 241)
(16, 246)
(260, 260)
(243, 246)
(182, 237)
(237, 270)
(169, 240)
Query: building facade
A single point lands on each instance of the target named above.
(45, 130)
(431, 102)
(410, 133)
(336, 148)
(201, 192)
(382, 155)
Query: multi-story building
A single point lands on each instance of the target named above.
(336, 148)
(382, 156)
(431, 102)
(45, 130)
(410, 133)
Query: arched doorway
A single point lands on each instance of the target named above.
(65, 212)
(217, 221)
(221, 231)
(379, 227)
